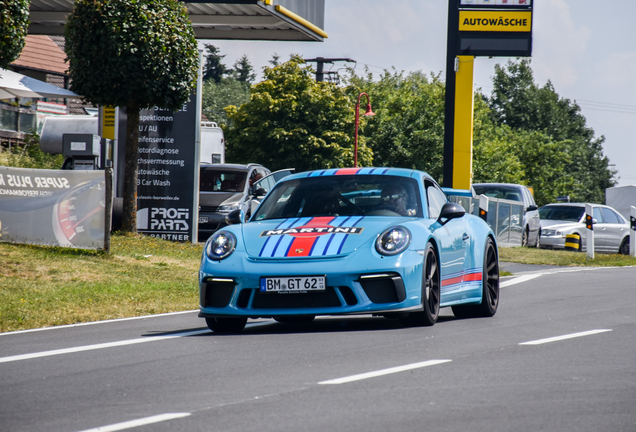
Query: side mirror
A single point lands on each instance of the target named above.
(234, 217)
(451, 211)
(260, 192)
(532, 208)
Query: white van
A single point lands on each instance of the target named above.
(212, 143)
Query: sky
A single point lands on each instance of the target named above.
(585, 48)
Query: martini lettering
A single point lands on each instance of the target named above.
(313, 230)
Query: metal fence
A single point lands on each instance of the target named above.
(504, 217)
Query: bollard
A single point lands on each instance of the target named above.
(483, 207)
(573, 242)
(632, 232)
(589, 225)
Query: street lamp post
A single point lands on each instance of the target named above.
(369, 112)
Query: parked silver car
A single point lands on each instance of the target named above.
(223, 188)
(516, 192)
(611, 230)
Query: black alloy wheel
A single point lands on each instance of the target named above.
(490, 288)
(431, 292)
(226, 325)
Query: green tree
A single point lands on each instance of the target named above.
(134, 54)
(214, 69)
(218, 96)
(275, 61)
(243, 71)
(14, 23)
(518, 102)
(293, 121)
(408, 128)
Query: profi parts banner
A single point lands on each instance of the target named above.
(168, 172)
(52, 207)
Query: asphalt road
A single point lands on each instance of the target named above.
(560, 355)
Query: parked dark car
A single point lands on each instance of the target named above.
(223, 188)
(531, 235)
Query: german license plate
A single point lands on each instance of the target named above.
(203, 219)
(293, 284)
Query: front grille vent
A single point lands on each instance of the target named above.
(217, 292)
(325, 299)
(383, 288)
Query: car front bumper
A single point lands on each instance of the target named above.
(355, 285)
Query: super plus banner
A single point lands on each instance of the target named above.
(52, 207)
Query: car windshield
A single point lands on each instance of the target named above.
(215, 180)
(499, 192)
(343, 195)
(562, 213)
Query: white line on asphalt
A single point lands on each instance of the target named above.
(384, 372)
(139, 422)
(564, 337)
(100, 346)
(96, 322)
(520, 279)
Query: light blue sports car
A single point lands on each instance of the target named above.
(380, 241)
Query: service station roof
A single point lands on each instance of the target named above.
(283, 20)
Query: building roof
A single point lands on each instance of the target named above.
(288, 20)
(43, 54)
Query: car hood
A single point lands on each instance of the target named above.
(316, 237)
(215, 199)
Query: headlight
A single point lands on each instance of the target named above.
(221, 245)
(229, 207)
(393, 241)
(550, 233)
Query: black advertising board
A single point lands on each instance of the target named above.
(494, 28)
(168, 167)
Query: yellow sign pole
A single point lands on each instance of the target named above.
(108, 122)
(464, 108)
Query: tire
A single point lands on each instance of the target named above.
(490, 288)
(538, 243)
(524, 237)
(431, 292)
(294, 318)
(226, 325)
(624, 249)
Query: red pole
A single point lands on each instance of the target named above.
(355, 142)
(368, 113)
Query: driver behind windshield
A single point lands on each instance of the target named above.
(395, 199)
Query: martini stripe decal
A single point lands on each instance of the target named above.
(309, 236)
(474, 276)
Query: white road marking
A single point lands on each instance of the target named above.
(564, 337)
(96, 322)
(139, 422)
(520, 279)
(100, 346)
(384, 372)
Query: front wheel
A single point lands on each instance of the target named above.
(624, 249)
(431, 292)
(226, 325)
(490, 288)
